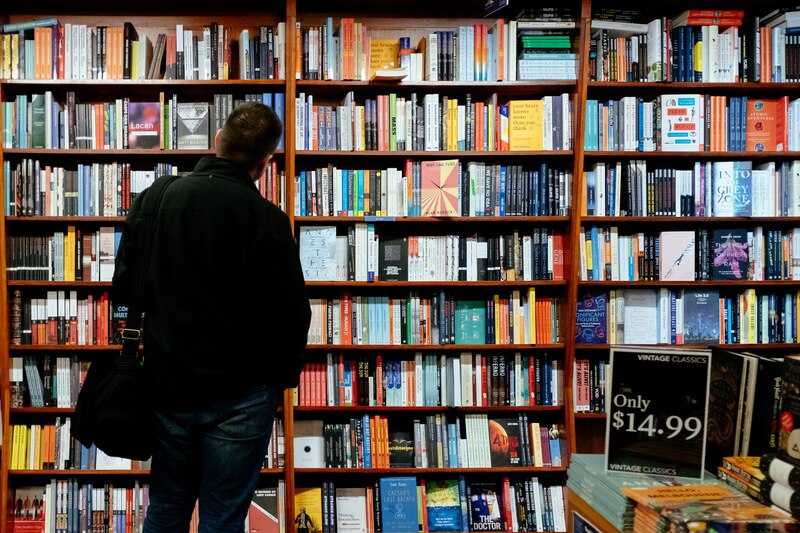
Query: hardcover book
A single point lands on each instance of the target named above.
(504, 442)
(762, 121)
(144, 125)
(700, 316)
(525, 125)
(384, 54)
(193, 132)
(28, 512)
(263, 514)
(485, 510)
(677, 256)
(590, 325)
(309, 444)
(443, 505)
(399, 504)
(733, 188)
(731, 254)
(439, 187)
(726, 398)
(682, 122)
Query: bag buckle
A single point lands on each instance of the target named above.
(129, 334)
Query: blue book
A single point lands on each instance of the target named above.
(399, 504)
(14, 27)
(280, 109)
(367, 442)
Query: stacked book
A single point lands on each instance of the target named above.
(604, 490)
(544, 44)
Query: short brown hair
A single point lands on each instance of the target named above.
(251, 132)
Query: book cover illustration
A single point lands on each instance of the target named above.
(28, 512)
(439, 187)
(504, 442)
(731, 254)
(677, 256)
(443, 505)
(263, 515)
(399, 504)
(193, 133)
(700, 316)
(733, 188)
(144, 125)
(726, 396)
(484, 507)
(590, 326)
(308, 509)
(762, 125)
(682, 122)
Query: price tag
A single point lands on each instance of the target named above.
(657, 403)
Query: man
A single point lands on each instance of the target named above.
(226, 323)
(304, 522)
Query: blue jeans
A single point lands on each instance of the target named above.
(213, 454)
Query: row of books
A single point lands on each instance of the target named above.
(515, 317)
(742, 473)
(51, 447)
(706, 189)
(61, 318)
(365, 255)
(433, 122)
(689, 316)
(722, 254)
(71, 255)
(697, 46)
(87, 506)
(471, 189)
(589, 385)
(404, 503)
(40, 120)
(436, 441)
(97, 189)
(464, 380)
(692, 123)
(48, 381)
(68, 51)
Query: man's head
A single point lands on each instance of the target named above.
(250, 136)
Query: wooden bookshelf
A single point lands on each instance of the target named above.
(584, 430)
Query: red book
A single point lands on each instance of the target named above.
(507, 503)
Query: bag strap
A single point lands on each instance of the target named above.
(131, 335)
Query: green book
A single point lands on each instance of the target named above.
(470, 322)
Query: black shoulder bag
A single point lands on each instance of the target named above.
(114, 409)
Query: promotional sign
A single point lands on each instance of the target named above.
(657, 405)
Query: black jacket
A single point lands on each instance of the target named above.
(226, 307)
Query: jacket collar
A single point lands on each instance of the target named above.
(224, 168)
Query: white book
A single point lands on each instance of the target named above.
(640, 316)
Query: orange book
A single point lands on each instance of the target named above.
(345, 320)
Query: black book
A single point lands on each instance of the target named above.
(393, 259)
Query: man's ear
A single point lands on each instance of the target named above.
(217, 137)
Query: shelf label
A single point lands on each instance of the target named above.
(657, 403)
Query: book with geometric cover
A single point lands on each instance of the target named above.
(193, 133)
(439, 188)
(263, 514)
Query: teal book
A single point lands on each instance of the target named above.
(399, 504)
(443, 504)
(470, 322)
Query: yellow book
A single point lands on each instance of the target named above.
(525, 125)
(37, 447)
(536, 444)
(531, 337)
(14, 52)
(612, 317)
(134, 60)
(308, 508)
(384, 54)
(24, 447)
(6, 57)
(666, 494)
(15, 447)
(69, 254)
